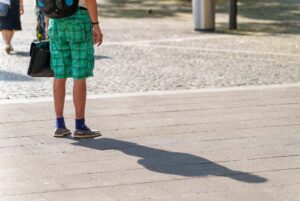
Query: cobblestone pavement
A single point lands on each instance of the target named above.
(146, 54)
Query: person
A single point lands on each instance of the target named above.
(41, 24)
(11, 23)
(72, 42)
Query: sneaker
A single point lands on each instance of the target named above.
(87, 133)
(61, 132)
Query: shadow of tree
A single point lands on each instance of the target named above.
(9, 76)
(143, 9)
(269, 16)
(175, 163)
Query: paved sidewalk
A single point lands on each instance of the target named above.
(225, 145)
(163, 53)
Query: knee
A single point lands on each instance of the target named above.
(60, 80)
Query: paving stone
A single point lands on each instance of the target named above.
(154, 54)
(247, 149)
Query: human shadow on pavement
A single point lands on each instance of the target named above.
(9, 76)
(98, 57)
(167, 162)
(22, 54)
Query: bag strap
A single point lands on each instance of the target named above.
(32, 46)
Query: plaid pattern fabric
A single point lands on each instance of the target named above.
(71, 46)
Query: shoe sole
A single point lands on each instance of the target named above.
(85, 136)
(62, 135)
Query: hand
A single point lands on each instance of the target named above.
(98, 36)
(21, 10)
(46, 27)
(46, 32)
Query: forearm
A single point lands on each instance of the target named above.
(46, 22)
(21, 7)
(92, 9)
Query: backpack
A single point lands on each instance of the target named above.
(57, 8)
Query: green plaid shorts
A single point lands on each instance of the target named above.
(71, 46)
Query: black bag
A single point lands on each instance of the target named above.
(57, 8)
(4, 7)
(39, 65)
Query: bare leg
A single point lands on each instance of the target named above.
(10, 35)
(79, 97)
(7, 36)
(4, 35)
(59, 93)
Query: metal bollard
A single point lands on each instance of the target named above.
(204, 15)
(233, 10)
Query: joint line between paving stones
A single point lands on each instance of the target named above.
(160, 93)
(185, 165)
(173, 111)
(142, 183)
(217, 50)
(205, 37)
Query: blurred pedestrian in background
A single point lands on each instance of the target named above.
(11, 23)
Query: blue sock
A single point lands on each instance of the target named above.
(60, 122)
(80, 124)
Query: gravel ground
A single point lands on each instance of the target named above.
(143, 54)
